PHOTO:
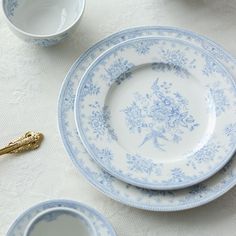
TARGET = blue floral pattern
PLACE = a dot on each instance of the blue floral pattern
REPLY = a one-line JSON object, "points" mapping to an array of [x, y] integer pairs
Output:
{"points": [[139, 164], [214, 51], [230, 131], [175, 59], [142, 47], [178, 176], [104, 155], [221, 102], [90, 89], [161, 115], [211, 67], [47, 42], [205, 154], [157, 117], [120, 191], [69, 98], [100, 122], [119, 71]]}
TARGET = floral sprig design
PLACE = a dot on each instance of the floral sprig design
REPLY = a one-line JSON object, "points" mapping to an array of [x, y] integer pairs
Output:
{"points": [[69, 98], [102, 177], [174, 57], [90, 88], [220, 100], [214, 51], [230, 132], [178, 176], [104, 155], [176, 61], [212, 67], [99, 121], [140, 164], [205, 154], [135, 118], [162, 115], [118, 71], [143, 47]]}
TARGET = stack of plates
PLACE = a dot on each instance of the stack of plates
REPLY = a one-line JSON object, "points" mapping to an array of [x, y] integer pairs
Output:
{"points": [[148, 117]]}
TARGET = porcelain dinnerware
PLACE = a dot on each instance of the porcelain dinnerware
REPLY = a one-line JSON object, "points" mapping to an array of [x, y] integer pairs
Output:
{"points": [[91, 219], [154, 108], [60, 221], [44, 22], [170, 200]]}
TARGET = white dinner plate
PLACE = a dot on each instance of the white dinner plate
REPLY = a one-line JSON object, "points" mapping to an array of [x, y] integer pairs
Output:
{"points": [[101, 225], [154, 111], [186, 198]]}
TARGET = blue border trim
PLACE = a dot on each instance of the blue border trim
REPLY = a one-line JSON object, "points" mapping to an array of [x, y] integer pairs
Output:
{"points": [[97, 185]]}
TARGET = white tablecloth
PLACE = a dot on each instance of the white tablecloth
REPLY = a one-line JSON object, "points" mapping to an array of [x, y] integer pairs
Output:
{"points": [[30, 81]]}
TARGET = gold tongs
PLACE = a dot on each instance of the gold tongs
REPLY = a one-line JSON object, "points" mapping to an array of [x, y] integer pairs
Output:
{"points": [[29, 141]]}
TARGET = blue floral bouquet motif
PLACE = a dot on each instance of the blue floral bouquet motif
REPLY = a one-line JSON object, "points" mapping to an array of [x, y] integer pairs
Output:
{"points": [[100, 122], [175, 61], [220, 100], [205, 154], [230, 132], [139, 164], [117, 72], [162, 116]]}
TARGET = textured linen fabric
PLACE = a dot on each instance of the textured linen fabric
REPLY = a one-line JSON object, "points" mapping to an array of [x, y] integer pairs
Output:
{"points": [[30, 81]]}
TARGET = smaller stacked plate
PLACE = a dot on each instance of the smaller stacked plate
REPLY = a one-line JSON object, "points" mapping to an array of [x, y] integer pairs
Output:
{"points": [[155, 110], [150, 110]]}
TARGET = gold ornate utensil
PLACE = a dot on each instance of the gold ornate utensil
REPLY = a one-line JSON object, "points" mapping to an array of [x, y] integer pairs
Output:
{"points": [[30, 141]]}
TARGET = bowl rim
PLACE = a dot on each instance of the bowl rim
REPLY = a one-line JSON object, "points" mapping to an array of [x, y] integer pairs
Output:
{"points": [[43, 36], [53, 209]]}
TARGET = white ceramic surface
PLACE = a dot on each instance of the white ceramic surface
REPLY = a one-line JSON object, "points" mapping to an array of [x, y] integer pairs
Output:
{"points": [[60, 221], [32, 75], [44, 22], [154, 112], [158, 200]]}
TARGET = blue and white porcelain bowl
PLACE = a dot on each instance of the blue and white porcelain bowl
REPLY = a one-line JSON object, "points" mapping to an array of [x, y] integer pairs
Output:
{"points": [[60, 221], [101, 225], [45, 22]]}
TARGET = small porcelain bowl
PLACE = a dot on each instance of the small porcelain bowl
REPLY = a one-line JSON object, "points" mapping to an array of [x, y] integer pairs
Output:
{"points": [[60, 221], [43, 22]]}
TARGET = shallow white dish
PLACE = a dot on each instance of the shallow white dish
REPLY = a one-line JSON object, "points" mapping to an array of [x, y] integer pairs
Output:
{"points": [[99, 222], [127, 194], [154, 111], [60, 221], [44, 22]]}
